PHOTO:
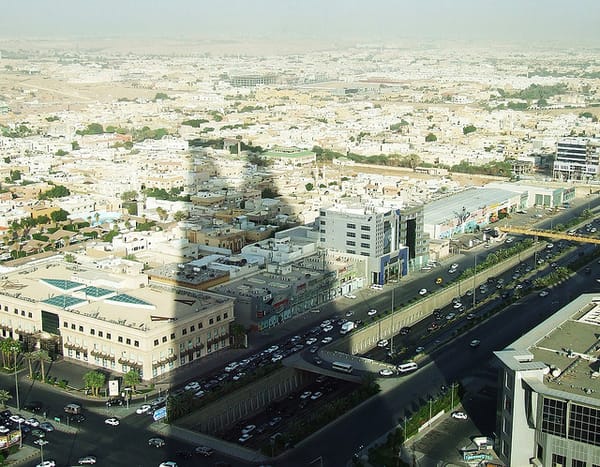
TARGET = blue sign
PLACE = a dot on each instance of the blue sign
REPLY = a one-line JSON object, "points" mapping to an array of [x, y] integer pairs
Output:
{"points": [[159, 414]]}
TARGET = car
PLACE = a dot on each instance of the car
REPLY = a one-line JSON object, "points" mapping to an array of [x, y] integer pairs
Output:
{"points": [[115, 401], [276, 358], [471, 316], [451, 271], [543, 293], [326, 340], [350, 296], [144, 408], [306, 395], [47, 426], [457, 305], [37, 433], [33, 406], [311, 340], [77, 418], [475, 343], [459, 415], [87, 460], [317, 361], [113, 421], [422, 291], [17, 418], [383, 343], [156, 442], [202, 393], [245, 437], [272, 349], [168, 464], [432, 327], [32, 422], [316, 395], [275, 421], [184, 454], [405, 330], [349, 313], [420, 349], [450, 316], [47, 463], [314, 349], [328, 328], [376, 287], [325, 323], [248, 429], [192, 386], [204, 451], [372, 312], [454, 266], [386, 372], [315, 310]]}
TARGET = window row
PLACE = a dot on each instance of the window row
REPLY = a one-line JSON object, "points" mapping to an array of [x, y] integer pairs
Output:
{"points": [[99, 333], [16, 312]]}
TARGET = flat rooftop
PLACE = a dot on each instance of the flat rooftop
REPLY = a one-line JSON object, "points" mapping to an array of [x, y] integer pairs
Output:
{"points": [[572, 348]]}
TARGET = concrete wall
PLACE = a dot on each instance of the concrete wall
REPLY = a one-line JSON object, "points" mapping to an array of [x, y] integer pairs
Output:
{"points": [[246, 402], [366, 338]]}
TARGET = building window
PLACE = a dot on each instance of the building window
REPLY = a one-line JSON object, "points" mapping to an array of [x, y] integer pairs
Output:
{"points": [[365, 253], [211, 321], [365, 236], [218, 317], [558, 460], [322, 222], [22, 312], [30, 315], [365, 245], [577, 463], [100, 334], [16, 311], [155, 342], [93, 332], [351, 226], [172, 335], [164, 339], [65, 325], [351, 234], [584, 424], [351, 252], [200, 325], [507, 403], [183, 331], [554, 417], [120, 339], [192, 328], [128, 341], [80, 328], [136, 343], [366, 228], [108, 335], [225, 315], [322, 213], [350, 243]]}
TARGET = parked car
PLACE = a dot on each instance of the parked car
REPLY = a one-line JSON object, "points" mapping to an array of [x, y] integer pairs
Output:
{"points": [[460, 415], [47, 463], [372, 312], [143, 409], [87, 460], [386, 372], [248, 429], [350, 296], [383, 343], [475, 343], [326, 340], [422, 291], [156, 442], [204, 451], [245, 437], [316, 395], [47, 427]]}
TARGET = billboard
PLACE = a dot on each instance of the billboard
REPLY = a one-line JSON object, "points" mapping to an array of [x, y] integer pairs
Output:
{"points": [[10, 438], [159, 414], [113, 388]]}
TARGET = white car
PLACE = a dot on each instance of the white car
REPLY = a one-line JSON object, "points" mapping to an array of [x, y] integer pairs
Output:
{"points": [[422, 291], [87, 460], [326, 340], [168, 464], [143, 409], [349, 313], [113, 421], [192, 386], [17, 418], [156, 442], [244, 437], [372, 312], [350, 296], [47, 463], [272, 349], [543, 293], [325, 323], [311, 340], [450, 316], [328, 328], [386, 372], [376, 287], [460, 415], [276, 358], [420, 349], [316, 395], [32, 422], [305, 395], [457, 305], [383, 343], [475, 343], [248, 429]]}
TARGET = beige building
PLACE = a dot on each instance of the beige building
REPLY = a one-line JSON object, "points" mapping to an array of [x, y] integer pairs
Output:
{"points": [[109, 320]]}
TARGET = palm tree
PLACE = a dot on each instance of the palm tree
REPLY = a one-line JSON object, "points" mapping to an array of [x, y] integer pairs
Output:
{"points": [[43, 357], [9, 348], [4, 397], [132, 378], [94, 380], [29, 356]]}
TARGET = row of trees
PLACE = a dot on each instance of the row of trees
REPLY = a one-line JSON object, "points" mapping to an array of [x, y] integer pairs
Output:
{"points": [[96, 380]]}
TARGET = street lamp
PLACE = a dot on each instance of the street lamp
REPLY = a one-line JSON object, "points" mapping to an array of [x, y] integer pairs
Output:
{"points": [[41, 443], [16, 382], [430, 408]]}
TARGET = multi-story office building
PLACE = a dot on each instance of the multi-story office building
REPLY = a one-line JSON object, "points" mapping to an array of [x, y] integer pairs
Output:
{"points": [[577, 158], [109, 320], [549, 396], [391, 237]]}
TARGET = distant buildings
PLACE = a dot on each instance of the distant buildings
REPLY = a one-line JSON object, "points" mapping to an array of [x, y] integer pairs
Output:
{"points": [[577, 159], [549, 397]]}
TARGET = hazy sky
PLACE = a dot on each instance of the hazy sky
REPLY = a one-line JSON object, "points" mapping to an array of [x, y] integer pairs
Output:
{"points": [[556, 21]]}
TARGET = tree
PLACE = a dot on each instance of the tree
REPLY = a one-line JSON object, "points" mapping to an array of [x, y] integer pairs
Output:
{"points": [[179, 216], [59, 216], [29, 356], [5, 396], [132, 378], [43, 357], [309, 187], [129, 195], [95, 381], [75, 145], [269, 193], [430, 138], [468, 129], [162, 214], [10, 348]]}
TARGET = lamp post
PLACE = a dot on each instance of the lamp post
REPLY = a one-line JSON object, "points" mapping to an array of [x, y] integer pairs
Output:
{"points": [[41, 443], [474, 278], [16, 382], [430, 408]]}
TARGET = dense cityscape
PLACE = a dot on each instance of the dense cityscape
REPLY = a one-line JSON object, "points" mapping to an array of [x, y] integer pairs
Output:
{"points": [[369, 253]]}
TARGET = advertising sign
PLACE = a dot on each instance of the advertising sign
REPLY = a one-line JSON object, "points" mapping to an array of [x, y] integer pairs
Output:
{"points": [[113, 388], [159, 414]]}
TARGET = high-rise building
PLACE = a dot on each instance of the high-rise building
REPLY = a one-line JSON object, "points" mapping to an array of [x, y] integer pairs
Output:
{"points": [[577, 158], [548, 410], [391, 237]]}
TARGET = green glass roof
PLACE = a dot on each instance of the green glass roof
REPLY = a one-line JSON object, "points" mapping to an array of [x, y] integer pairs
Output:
{"points": [[128, 300], [63, 284], [63, 301], [96, 292]]}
